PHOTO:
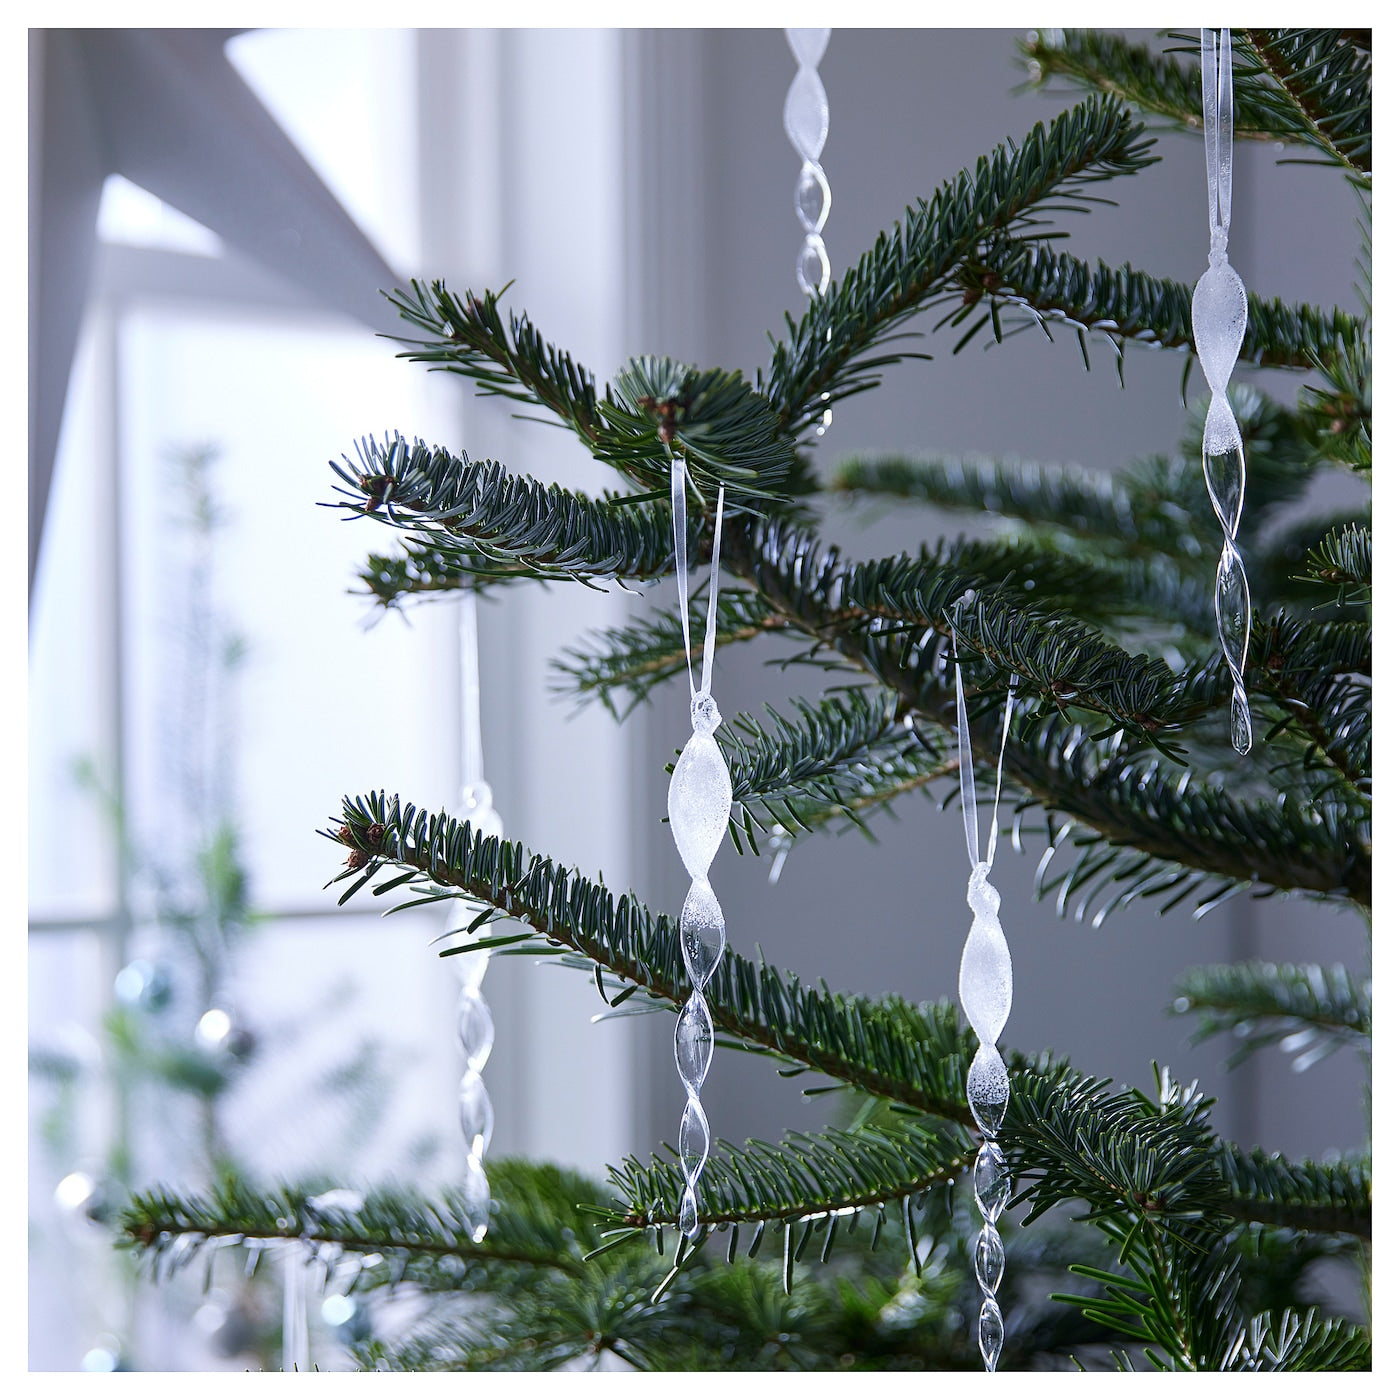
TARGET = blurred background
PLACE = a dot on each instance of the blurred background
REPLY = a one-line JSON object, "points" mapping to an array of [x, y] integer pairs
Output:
{"points": [[211, 214]]}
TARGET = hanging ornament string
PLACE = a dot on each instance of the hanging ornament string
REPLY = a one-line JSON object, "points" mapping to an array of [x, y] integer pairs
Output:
{"points": [[1219, 312], [984, 988], [475, 1029], [698, 803]]}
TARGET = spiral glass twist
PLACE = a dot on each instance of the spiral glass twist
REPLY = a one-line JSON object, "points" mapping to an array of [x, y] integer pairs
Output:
{"points": [[698, 804], [984, 988], [477, 1033], [1219, 314], [805, 119]]}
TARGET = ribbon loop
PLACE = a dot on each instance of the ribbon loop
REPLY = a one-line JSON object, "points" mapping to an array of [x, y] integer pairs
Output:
{"points": [[682, 562], [678, 529], [1218, 118], [967, 790]]}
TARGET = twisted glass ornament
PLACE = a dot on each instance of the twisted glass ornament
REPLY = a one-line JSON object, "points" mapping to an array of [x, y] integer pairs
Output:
{"points": [[805, 119], [984, 988], [698, 803], [1219, 312], [475, 1028]]}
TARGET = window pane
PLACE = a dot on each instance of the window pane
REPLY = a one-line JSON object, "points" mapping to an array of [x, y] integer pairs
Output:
{"points": [[347, 98], [72, 869], [321, 705]]}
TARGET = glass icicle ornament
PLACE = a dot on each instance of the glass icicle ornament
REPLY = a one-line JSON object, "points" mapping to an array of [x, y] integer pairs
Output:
{"points": [[698, 803], [475, 1028], [805, 119], [1219, 313], [984, 988], [477, 1033], [296, 1336]]}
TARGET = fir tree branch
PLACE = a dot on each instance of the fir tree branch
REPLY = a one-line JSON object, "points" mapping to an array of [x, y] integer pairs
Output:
{"points": [[1319, 675], [1118, 1153], [620, 665], [1311, 1011], [1293, 1341], [1308, 87], [1155, 506], [169, 1229], [1144, 80], [1281, 569], [1124, 798], [727, 432], [916, 1056], [1318, 1196], [912, 1054], [1158, 1186], [1338, 411], [827, 355], [1130, 306], [844, 756], [1320, 86], [473, 519], [806, 1177], [1066, 498], [1342, 560]]}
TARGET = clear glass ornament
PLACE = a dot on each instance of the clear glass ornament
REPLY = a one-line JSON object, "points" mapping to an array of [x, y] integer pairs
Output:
{"points": [[984, 988], [1219, 316], [812, 198], [695, 1042], [813, 266], [988, 1090], [990, 1259], [476, 1029], [697, 803], [807, 119], [702, 932], [991, 1333]]}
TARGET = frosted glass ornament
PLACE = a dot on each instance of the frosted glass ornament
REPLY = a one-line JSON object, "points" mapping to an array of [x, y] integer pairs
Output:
{"points": [[1219, 313], [988, 1090], [805, 114], [1219, 317], [698, 802], [807, 45], [984, 976], [806, 119], [702, 932], [984, 988]]}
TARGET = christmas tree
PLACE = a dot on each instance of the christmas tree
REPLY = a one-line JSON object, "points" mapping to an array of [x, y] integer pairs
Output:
{"points": [[1151, 1240]]}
